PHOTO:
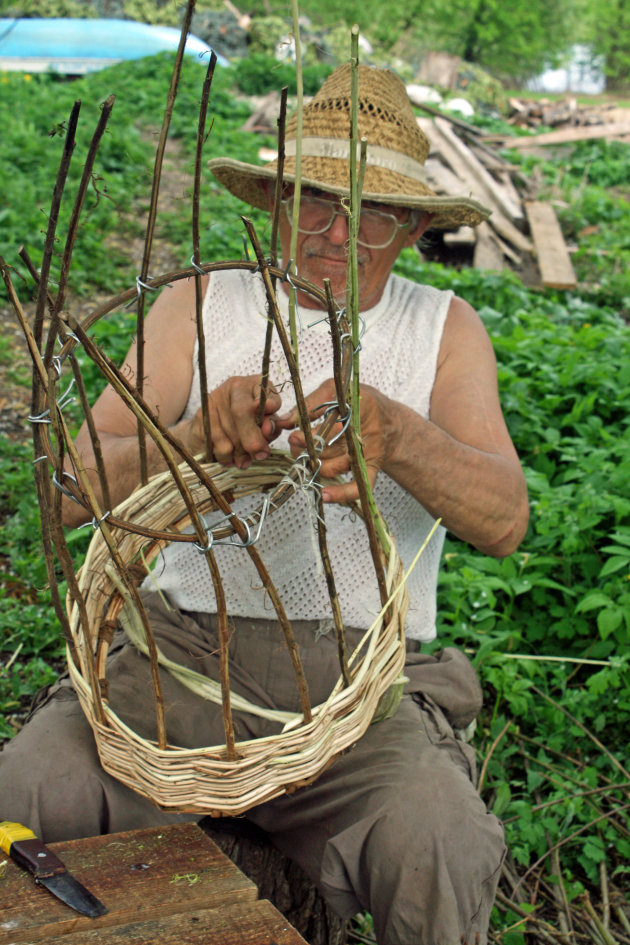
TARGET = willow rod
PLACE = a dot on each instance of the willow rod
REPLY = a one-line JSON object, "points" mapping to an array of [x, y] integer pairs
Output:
{"points": [[297, 188], [148, 240], [196, 257], [53, 219], [344, 407], [273, 253], [353, 302]]}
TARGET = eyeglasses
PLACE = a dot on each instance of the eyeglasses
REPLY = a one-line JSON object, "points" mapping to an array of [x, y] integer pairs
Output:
{"points": [[376, 228]]}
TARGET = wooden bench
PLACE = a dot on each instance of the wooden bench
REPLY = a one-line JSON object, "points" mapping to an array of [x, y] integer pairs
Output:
{"points": [[169, 885]]}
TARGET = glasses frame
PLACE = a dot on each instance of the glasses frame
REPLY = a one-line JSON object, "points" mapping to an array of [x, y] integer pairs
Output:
{"points": [[338, 209]]}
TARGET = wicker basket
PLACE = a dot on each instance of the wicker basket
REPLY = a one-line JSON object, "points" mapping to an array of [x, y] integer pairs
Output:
{"points": [[205, 780]]}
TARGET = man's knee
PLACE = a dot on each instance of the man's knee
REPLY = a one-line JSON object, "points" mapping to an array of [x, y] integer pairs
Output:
{"points": [[49, 772]]}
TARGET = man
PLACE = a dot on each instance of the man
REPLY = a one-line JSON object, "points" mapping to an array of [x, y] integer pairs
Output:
{"points": [[395, 825]]}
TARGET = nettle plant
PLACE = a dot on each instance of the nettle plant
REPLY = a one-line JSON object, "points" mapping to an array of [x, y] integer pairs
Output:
{"points": [[549, 627]]}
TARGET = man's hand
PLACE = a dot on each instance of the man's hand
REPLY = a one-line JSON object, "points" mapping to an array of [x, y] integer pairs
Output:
{"points": [[236, 437], [378, 432]]}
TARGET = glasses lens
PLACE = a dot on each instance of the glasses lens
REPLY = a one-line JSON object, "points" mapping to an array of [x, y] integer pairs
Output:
{"points": [[316, 215], [377, 229]]}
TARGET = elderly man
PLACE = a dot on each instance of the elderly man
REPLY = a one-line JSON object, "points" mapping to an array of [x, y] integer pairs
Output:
{"points": [[395, 825]]}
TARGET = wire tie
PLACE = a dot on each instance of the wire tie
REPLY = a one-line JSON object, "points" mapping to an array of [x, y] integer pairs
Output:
{"points": [[43, 417], [196, 266], [39, 459], [63, 489], [345, 424], [209, 545], [96, 523], [143, 285], [311, 482], [65, 398], [285, 276]]}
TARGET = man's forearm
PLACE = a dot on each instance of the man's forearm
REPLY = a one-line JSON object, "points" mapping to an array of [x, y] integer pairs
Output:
{"points": [[480, 496]]}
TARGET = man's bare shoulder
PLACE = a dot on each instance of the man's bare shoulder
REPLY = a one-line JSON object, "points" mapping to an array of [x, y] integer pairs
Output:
{"points": [[172, 317], [465, 336]]}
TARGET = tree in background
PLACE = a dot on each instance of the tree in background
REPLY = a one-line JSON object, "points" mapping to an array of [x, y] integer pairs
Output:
{"points": [[513, 41], [607, 31]]}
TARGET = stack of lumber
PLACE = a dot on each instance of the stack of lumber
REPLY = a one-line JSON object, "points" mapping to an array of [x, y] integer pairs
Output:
{"points": [[462, 163], [604, 120]]}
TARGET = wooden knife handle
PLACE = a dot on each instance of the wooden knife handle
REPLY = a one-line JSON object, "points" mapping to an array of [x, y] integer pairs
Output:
{"points": [[37, 858], [28, 851]]}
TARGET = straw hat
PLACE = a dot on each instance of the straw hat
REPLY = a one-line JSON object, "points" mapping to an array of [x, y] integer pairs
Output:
{"points": [[396, 151]]}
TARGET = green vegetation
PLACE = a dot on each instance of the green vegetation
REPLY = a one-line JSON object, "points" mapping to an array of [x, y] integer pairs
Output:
{"points": [[261, 73], [547, 628], [590, 184]]}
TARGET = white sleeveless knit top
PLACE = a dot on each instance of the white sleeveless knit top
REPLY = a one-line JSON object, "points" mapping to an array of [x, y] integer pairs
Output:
{"points": [[399, 357]]}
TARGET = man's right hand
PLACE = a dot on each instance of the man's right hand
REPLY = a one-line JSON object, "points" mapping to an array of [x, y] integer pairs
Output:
{"points": [[236, 437]]}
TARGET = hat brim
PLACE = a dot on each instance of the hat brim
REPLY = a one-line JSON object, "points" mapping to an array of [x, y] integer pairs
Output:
{"points": [[250, 182]]}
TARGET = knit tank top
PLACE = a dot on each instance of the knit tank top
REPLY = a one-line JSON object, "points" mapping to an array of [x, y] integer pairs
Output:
{"points": [[398, 356]]}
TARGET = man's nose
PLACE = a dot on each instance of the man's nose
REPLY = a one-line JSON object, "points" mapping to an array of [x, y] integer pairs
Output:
{"points": [[337, 232]]}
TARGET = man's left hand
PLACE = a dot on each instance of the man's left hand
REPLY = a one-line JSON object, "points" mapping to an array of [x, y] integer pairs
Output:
{"points": [[378, 432]]}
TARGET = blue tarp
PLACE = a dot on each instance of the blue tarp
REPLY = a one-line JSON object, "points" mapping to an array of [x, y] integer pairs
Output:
{"points": [[67, 45]]}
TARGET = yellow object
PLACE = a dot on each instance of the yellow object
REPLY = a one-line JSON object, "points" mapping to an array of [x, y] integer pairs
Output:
{"points": [[10, 833]]}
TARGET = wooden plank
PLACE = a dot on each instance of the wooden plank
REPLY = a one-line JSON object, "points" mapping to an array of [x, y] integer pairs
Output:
{"points": [[554, 261], [498, 220], [488, 255], [138, 875], [463, 236], [570, 135], [511, 208], [441, 178], [249, 923]]}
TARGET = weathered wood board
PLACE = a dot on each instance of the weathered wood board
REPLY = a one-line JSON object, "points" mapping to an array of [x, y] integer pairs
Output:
{"points": [[569, 135], [556, 269], [488, 255], [139, 876], [249, 923]]}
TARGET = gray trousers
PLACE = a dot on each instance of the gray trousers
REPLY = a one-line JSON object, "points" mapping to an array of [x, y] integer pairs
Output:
{"points": [[394, 826]]}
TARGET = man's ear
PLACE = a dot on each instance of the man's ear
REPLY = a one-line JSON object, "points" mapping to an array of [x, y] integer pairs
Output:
{"points": [[418, 228]]}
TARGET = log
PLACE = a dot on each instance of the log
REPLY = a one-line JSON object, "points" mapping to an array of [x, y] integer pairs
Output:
{"points": [[278, 879], [498, 220]]}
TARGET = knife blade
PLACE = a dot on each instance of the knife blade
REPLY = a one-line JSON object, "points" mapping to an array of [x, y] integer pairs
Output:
{"points": [[28, 851]]}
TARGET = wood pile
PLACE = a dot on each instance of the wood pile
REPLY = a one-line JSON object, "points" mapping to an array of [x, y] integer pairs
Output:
{"points": [[571, 122], [525, 113], [521, 231]]}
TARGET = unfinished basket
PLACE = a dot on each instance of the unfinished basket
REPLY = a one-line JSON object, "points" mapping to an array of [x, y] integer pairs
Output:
{"points": [[206, 780]]}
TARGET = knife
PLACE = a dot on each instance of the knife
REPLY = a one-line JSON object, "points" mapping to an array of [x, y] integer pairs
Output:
{"points": [[28, 851]]}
